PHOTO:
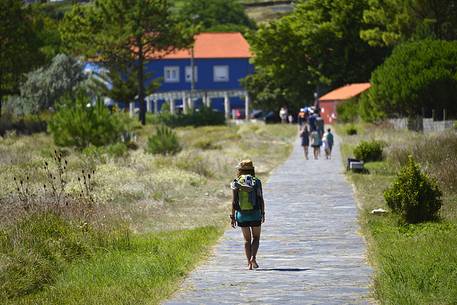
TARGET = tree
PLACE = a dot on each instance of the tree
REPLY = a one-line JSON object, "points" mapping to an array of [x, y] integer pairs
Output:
{"points": [[120, 83], [19, 46], [317, 46], [418, 77], [217, 15], [45, 86], [113, 31], [393, 21]]}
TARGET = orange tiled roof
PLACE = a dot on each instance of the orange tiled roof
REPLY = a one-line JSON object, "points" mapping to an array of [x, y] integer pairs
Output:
{"points": [[214, 45], [346, 92]]}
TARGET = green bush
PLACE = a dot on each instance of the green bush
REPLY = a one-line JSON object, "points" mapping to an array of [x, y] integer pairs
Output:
{"points": [[76, 123], [165, 141], [413, 195], [347, 111], [369, 151], [204, 117], [418, 76], [351, 130]]}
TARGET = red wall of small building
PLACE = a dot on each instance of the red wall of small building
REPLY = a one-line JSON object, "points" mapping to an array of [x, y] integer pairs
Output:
{"points": [[328, 111]]}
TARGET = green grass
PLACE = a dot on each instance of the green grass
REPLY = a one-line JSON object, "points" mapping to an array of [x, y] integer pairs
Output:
{"points": [[145, 233], [414, 264], [142, 272]]}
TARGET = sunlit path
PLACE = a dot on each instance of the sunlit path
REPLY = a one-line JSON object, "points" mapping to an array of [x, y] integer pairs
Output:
{"points": [[310, 251]]}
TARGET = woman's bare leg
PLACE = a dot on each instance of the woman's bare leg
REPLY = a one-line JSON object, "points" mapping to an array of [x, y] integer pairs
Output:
{"points": [[247, 244], [255, 244], [306, 152]]}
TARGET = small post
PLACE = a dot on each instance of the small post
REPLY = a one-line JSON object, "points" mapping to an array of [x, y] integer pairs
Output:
{"points": [[172, 106], [246, 106], [131, 108], [444, 114], [148, 104], [184, 103], [227, 106], [433, 114], [156, 106]]}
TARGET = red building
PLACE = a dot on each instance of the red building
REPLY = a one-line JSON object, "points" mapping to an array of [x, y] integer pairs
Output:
{"points": [[330, 101]]}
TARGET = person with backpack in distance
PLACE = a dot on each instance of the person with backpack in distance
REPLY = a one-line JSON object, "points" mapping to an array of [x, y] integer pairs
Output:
{"points": [[248, 209], [316, 143]]}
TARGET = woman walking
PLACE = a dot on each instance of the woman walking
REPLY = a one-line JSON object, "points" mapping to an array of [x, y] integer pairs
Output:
{"points": [[248, 209], [304, 134], [316, 144]]}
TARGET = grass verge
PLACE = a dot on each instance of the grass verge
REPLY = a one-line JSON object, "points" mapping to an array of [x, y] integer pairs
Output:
{"points": [[145, 231], [414, 264]]}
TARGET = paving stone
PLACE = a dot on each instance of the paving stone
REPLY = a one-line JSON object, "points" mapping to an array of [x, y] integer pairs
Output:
{"points": [[310, 251]]}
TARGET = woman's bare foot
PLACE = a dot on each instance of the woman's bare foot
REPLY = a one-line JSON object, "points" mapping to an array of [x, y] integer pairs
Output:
{"points": [[254, 263], [249, 266]]}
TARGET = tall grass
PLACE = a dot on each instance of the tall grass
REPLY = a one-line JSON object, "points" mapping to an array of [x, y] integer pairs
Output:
{"points": [[141, 231], [414, 264], [144, 272]]}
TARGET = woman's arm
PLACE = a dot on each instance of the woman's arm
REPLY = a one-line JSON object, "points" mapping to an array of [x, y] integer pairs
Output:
{"points": [[261, 201], [234, 203]]}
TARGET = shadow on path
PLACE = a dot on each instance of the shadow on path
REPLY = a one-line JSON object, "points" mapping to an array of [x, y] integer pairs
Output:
{"points": [[283, 269]]}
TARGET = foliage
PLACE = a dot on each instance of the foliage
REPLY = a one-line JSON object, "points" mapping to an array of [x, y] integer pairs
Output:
{"points": [[348, 111], [165, 141], [204, 117], [317, 45], [45, 245], [351, 130], [79, 123], [418, 76], [394, 21], [120, 31], [19, 46], [119, 82], [28, 124], [217, 15], [46, 85], [413, 195], [144, 271], [369, 151]]}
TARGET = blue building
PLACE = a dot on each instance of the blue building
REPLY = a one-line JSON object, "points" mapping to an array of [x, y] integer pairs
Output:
{"points": [[219, 61]]}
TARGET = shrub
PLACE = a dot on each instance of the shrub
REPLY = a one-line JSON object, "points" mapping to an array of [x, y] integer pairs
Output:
{"points": [[347, 111], [204, 117], [351, 130], [165, 141], [413, 195], [79, 124], [369, 151]]}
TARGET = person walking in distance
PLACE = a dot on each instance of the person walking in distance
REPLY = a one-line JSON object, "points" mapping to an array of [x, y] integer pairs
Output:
{"points": [[328, 142], [304, 134], [248, 209], [315, 143]]}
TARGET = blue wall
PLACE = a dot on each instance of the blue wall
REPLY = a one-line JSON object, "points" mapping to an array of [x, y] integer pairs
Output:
{"points": [[238, 69]]}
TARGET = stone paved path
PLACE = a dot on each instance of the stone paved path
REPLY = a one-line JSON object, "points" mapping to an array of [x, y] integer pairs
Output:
{"points": [[310, 251]]}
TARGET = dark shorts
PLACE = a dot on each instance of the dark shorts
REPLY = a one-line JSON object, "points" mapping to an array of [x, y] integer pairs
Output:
{"points": [[256, 223]]}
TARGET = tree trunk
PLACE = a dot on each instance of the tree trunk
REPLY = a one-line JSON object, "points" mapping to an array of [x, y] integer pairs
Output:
{"points": [[140, 76], [1, 104]]}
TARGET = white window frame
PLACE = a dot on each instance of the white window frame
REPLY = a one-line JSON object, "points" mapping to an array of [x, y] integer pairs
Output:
{"points": [[220, 80], [170, 69], [188, 74]]}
